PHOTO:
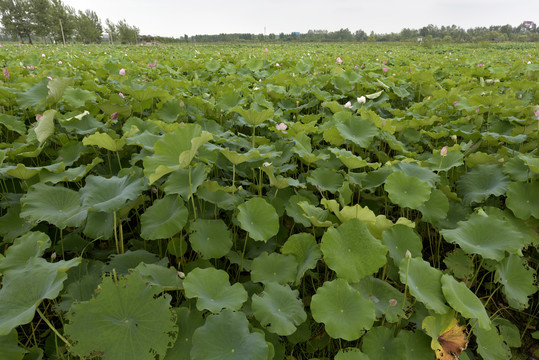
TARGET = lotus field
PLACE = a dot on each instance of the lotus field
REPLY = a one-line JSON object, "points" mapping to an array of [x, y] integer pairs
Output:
{"points": [[291, 202]]}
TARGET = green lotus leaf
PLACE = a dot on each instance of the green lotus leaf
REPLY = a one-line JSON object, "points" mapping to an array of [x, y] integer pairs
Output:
{"points": [[12, 123], [379, 343], [517, 280], [464, 301], [99, 225], [520, 199], [142, 323], [236, 158], [509, 331], [487, 236], [417, 344], [56, 87], [253, 116], [317, 217], [436, 208], [165, 218], [24, 248], [304, 248], [45, 126], [295, 211], [407, 191], [35, 95], [8, 347], [279, 309], [187, 320], [122, 263], [351, 251], [213, 291], [444, 163], [20, 171], [351, 354], [76, 97], [531, 161], [325, 179], [348, 158], [174, 151], [399, 239], [108, 195], [415, 170], [460, 264], [481, 182], [259, 219], [81, 284], [516, 169], [357, 130], [178, 181], [57, 205], [170, 111], [382, 296], [423, 282], [226, 336], [24, 288], [210, 238], [12, 225], [104, 141], [70, 175], [490, 344], [83, 124], [343, 311], [274, 267], [162, 277]]}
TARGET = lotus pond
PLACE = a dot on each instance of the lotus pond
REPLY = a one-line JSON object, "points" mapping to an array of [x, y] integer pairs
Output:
{"points": [[291, 202]]}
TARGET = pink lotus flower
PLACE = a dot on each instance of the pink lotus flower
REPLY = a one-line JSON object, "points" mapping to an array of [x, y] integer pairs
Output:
{"points": [[361, 100], [385, 69], [281, 127], [356, 67], [151, 65], [122, 71], [348, 105], [479, 65], [383, 62], [455, 102], [38, 116], [121, 95], [49, 77], [443, 152], [6, 73], [339, 60], [114, 115], [59, 62], [477, 111]]}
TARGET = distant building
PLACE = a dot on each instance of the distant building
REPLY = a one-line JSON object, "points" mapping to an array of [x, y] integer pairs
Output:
{"points": [[419, 39], [527, 24]]}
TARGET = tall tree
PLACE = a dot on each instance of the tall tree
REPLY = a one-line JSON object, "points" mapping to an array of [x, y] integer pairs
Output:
{"points": [[88, 27], [63, 20], [17, 19]]}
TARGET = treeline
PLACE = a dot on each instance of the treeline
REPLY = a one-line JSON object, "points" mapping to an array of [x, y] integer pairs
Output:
{"points": [[527, 31], [54, 21]]}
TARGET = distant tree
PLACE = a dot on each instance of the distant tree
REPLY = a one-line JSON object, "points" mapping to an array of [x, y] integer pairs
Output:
{"points": [[127, 34], [42, 21], [360, 35], [112, 30], [88, 27], [63, 19], [17, 19]]}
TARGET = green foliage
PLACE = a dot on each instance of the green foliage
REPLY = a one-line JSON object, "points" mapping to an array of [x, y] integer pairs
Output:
{"points": [[166, 212]]}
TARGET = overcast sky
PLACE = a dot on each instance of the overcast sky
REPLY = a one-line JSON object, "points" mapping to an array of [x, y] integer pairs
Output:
{"points": [[176, 18]]}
